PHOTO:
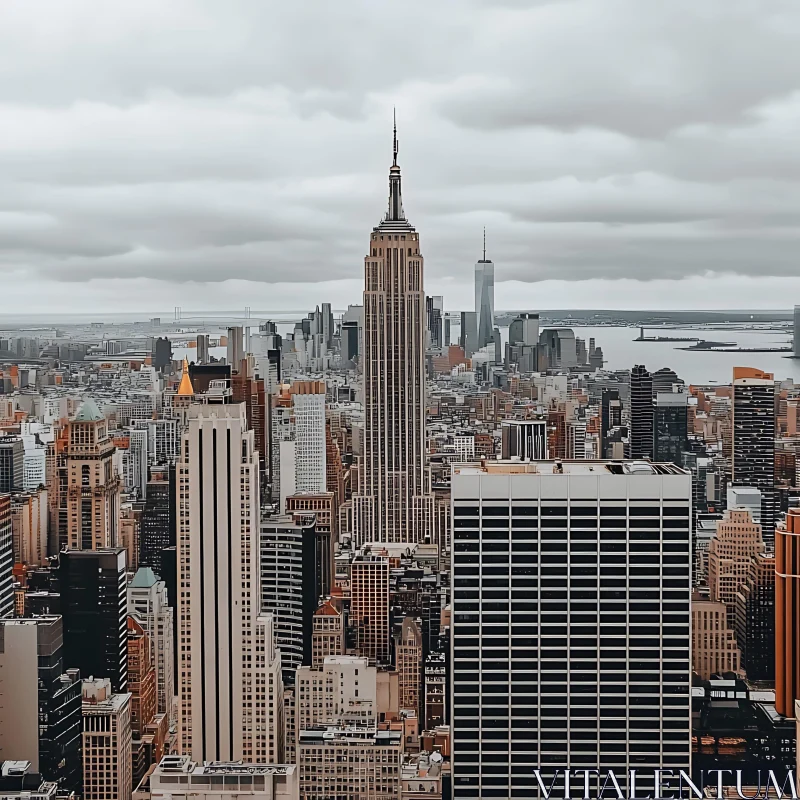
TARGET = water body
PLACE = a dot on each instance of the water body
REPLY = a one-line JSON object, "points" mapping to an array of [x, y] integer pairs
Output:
{"points": [[622, 352], [698, 367]]}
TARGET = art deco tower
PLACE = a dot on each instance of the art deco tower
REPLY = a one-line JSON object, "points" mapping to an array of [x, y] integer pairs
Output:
{"points": [[394, 502]]}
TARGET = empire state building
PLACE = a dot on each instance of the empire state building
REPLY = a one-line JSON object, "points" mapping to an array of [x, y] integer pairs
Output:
{"points": [[394, 503]]}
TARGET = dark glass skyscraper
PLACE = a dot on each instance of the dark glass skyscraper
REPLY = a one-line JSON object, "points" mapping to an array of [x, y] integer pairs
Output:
{"points": [[158, 519], [641, 431], [94, 606], [669, 426], [753, 462]]}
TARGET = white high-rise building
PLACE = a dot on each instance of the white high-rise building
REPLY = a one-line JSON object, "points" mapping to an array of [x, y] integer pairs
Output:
{"points": [[484, 298], [342, 691], [394, 501], [147, 601], [308, 404], [223, 672], [570, 625], [107, 742]]}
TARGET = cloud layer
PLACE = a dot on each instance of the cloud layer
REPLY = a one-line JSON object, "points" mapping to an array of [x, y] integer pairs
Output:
{"points": [[196, 149]]}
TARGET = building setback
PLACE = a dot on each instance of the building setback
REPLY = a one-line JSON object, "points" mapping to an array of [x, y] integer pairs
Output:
{"points": [[393, 503], [224, 662]]}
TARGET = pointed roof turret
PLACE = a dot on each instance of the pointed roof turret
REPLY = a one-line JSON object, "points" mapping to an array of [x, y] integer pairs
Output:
{"points": [[185, 389], [89, 412]]}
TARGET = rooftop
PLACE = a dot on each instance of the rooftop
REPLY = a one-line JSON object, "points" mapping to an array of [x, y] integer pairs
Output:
{"points": [[515, 467], [89, 412]]}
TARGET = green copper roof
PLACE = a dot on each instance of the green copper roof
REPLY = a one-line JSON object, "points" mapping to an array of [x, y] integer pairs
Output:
{"points": [[144, 578], [89, 412]]}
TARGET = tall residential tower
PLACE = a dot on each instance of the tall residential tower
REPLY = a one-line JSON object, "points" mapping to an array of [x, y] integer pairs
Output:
{"points": [[394, 503]]}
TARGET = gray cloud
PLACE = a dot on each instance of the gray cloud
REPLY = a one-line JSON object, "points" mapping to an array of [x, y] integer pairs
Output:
{"points": [[199, 142]]}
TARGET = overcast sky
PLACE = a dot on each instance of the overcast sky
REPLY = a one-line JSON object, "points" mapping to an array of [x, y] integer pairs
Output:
{"points": [[223, 153]]}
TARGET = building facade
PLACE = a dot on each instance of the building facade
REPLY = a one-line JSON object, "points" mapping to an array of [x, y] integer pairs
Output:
{"points": [[222, 684], [570, 632], [393, 503], [753, 461], [93, 484], [714, 649], [94, 607]]}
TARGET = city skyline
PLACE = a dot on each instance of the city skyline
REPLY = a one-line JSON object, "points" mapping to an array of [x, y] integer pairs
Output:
{"points": [[112, 194], [428, 519]]}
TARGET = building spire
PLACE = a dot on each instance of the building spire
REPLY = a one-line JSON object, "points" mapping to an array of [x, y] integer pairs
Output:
{"points": [[484, 243], [395, 212], [394, 116]]}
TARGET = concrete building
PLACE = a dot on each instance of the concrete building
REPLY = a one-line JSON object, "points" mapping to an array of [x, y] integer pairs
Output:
{"points": [[753, 459], [730, 553], [308, 404], [179, 778], [747, 497], [394, 501], [714, 649], [224, 666], [93, 484], [557, 348], [29, 527], [40, 703], [141, 678], [147, 601], [571, 587], [352, 763], [343, 690], [787, 613], [19, 692], [525, 440], [369, 606], [107, 742], [408, 663], [327, 637]]}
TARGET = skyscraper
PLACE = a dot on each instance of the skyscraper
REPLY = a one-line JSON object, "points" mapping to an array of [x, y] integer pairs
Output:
{"points": [[670, 424], [753, 462], [94, 607], [484, 297], [796, 331], [308, 402], [147, 601], [641, 433], [158, 518], [6, 558], [222, 675], [571, 585], [107, 742], [290, 584], [394, 503], [93, 485], [787, 613]]}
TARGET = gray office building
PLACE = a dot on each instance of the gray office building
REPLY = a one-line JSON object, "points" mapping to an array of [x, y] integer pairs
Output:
{"points": [[570, 626]]}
